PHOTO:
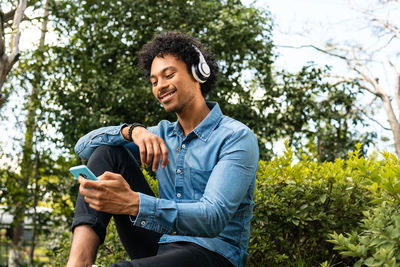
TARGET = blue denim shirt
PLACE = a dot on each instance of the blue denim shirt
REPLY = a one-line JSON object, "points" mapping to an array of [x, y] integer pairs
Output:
{"points": [[206, 190]]}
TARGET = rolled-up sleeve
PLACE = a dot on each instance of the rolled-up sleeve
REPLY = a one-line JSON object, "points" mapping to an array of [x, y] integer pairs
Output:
{"points": [[110, 135], [227, 186]]}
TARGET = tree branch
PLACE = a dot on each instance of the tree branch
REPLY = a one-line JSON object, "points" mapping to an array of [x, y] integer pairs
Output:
{"points": [[397, 93], [2, 44], [365, 76], [9, 16], [376, 121], [315, 47], [16, 34], [384, 23], [353, 79], [2, 99], [44, 24]]}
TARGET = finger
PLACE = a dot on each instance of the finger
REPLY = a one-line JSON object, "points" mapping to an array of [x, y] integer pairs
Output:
{"points": [[87, 192], [150, 153], [89, 185], [95, 207], [89, 196], [107, 175], [93, 203], [142, 151], [164, 155], [86, 183], [157, 155]]}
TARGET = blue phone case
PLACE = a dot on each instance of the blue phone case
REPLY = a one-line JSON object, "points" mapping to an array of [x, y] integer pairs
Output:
{"points": [[83, 171]]}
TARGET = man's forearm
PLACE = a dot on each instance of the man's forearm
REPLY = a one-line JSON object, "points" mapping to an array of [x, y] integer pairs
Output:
{"points": [[84, 247]]}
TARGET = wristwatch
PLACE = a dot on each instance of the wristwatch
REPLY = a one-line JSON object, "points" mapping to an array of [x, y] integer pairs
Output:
{"points": [[131, 127]]}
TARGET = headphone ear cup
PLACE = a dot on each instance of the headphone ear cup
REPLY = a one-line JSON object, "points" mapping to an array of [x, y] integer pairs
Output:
{"points": [[197, 74], [201, 71]]}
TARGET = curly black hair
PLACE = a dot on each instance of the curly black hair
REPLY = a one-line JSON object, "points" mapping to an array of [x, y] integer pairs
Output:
{"points": [[180, 45]]}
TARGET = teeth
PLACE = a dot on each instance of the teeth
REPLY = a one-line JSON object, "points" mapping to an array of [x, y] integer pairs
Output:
{"points": [[167, 96]]}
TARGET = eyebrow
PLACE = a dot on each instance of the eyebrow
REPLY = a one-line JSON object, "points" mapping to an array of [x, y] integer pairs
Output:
{"points": [[162, 71]]}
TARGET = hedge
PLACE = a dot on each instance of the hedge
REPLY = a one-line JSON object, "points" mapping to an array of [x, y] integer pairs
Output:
{"points": [[308, 213]]}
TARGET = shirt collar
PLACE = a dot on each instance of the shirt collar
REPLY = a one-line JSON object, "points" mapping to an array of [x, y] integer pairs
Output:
{"points": [[206, 126]]}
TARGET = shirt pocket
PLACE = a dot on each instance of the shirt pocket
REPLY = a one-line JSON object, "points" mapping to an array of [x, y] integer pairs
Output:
{"points": [[199, 179]]}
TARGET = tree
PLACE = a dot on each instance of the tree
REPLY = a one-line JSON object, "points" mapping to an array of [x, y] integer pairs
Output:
{"points": [[23, 188], [317, 116], [96, 80], [7, 61], [375, 68]]}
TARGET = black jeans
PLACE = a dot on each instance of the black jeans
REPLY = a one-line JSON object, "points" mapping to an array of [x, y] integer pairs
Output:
{"points": [[140, 244]]}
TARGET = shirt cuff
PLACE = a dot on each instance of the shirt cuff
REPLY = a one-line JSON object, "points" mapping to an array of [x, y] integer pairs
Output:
{"points": [[120, 130], [147, 215]]}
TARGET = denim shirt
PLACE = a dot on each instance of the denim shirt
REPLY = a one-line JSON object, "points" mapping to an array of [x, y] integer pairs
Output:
{"points": [[206, 190]]}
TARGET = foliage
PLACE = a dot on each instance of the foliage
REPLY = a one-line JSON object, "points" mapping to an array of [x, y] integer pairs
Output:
{"points": [[96, 82], [297, 204], [109, 252], [377, 241], [54, 189], [90, 79], [317, 116], [95, 76], [59, 246]]}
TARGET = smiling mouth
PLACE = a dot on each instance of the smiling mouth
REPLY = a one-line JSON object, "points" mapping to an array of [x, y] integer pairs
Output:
{"points": [[167, 96]]}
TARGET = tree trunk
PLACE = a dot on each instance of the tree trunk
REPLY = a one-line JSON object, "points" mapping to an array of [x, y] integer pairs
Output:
{"points": [[394, 123], [16, 254], [28, 160], [34, 216], [8, 61]]}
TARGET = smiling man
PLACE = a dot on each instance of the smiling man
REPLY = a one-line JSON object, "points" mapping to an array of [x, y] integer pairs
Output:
{"points": [[205, 164]]}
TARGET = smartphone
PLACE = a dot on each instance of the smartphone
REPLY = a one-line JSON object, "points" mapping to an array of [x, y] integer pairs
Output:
{"points": [[83, 171]]}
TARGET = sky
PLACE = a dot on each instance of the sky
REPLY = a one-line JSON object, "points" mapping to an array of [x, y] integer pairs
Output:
{"points": [[297, 23]]}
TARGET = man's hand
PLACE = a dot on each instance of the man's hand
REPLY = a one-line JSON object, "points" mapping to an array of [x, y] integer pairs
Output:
{"points": [[152, 148], [111, 194]]}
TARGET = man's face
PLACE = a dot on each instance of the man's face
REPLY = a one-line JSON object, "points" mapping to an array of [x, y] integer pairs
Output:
{"points": [[172, 85]]}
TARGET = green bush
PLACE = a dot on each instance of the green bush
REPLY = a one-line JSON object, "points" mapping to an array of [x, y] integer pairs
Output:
{"points": [[304, 211], [109, 252], [377, 241], [298, 203]]}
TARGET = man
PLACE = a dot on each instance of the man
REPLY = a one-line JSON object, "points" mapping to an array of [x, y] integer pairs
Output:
{"points": [[205, 164]]}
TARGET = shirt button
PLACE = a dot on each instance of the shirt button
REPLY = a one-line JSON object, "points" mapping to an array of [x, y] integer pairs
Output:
{"points": [[178, 195], [142, 223], [183, 146], [178, 171], [100, 139]]}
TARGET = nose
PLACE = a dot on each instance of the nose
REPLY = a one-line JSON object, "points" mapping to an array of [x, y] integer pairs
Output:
{"points": [[161, 85]]}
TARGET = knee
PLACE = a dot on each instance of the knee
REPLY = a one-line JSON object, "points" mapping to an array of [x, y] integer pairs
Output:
{"points": [[105, 150], [115, 156], [106, 153]]}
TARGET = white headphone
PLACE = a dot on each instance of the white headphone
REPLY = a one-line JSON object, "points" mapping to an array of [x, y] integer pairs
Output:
{"points": [[201, 71]]}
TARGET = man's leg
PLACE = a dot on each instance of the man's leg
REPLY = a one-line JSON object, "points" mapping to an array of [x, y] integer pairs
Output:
{"points": [[84, 247], [138, 242], [179, 254]]}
